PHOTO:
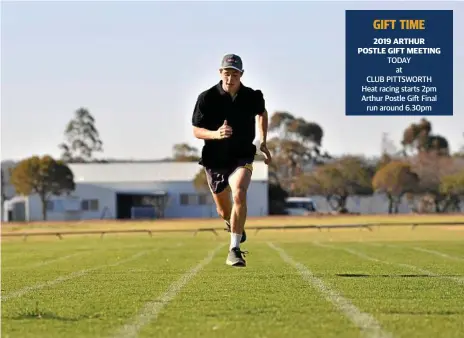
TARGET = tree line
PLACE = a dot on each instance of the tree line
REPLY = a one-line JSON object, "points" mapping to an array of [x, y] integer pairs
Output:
{"points": [[423, 169]]}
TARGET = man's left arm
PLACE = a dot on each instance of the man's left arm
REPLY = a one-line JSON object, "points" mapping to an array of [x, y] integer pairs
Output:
{"points": [[263, 123], [261, 116]]}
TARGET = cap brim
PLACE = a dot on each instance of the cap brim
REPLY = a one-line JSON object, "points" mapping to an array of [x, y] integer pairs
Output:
{"points": [[232, 67]]}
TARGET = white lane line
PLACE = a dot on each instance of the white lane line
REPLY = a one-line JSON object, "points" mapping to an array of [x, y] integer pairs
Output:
{"points": [[70, 276], [433, 252], [151, 310], [46, 262], [459, 280], [364, 321], [438, 253]]}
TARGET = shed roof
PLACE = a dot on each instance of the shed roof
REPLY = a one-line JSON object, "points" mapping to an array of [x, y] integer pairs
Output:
{"points": [[147, 172]]}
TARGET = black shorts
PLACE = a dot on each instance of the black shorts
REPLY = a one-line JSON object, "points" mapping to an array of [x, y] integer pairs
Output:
{"points": [[218, 179]]}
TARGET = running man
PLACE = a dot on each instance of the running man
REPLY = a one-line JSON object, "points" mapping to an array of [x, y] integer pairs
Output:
{"points": [[225, 117]]}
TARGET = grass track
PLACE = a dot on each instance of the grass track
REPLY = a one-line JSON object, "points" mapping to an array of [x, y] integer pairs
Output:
{"points": [[269, 298], [405, 301]]}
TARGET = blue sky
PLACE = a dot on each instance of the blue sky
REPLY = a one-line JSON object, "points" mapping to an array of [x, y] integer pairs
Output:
{"points": [[139, 66]]}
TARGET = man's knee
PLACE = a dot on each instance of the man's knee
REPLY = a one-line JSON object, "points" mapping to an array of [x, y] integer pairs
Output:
{"points": [[223, 203], [224, 213], [239, 196]]}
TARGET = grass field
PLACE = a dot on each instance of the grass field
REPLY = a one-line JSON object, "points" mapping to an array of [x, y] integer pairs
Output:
{"points": [[389, 282]]}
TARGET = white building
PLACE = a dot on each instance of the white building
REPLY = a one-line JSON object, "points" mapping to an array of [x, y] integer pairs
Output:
{"points": [[111, 190]]}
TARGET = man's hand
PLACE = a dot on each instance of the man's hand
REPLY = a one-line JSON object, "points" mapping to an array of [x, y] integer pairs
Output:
{"points": [[224, 131], [266, 152]]}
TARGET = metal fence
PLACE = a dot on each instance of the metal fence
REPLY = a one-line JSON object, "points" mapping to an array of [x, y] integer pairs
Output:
{"points": [[319, 227]]}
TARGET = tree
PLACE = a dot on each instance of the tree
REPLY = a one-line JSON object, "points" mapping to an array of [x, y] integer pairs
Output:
{"points": [[200, 181], [460, 153], [431, 168], [462, 147], [43, 176], [297, 145], [183, 152], [384, 160], [452, 186], [82, 138], [395, 179], [4, 197], [345, 177], [7, 189], [388, 147], [418, 138]]}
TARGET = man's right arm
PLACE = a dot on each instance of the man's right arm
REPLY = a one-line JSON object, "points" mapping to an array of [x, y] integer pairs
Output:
{"points": [[205, 134], [199, 122]]}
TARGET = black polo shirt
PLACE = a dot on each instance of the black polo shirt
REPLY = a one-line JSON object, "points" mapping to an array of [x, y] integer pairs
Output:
{"points": [[213, 106]]}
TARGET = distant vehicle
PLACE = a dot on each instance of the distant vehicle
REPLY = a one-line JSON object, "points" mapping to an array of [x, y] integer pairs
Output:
{"points": [[299, 206]]}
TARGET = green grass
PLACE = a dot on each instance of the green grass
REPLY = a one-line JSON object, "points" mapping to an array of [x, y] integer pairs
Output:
{"points": [[91, 287]]}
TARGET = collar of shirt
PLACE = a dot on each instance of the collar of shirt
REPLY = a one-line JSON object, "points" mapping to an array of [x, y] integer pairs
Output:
{"points": [[223, 92]]}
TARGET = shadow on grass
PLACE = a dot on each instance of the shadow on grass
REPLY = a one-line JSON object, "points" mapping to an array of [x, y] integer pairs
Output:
{"points": [[47, 315], [359, 275], [44, 316], [424, 313]]}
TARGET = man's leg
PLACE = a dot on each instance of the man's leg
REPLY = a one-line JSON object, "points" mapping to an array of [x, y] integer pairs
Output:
{"points": [[239, 181], [223, 204], [220, 191]]}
